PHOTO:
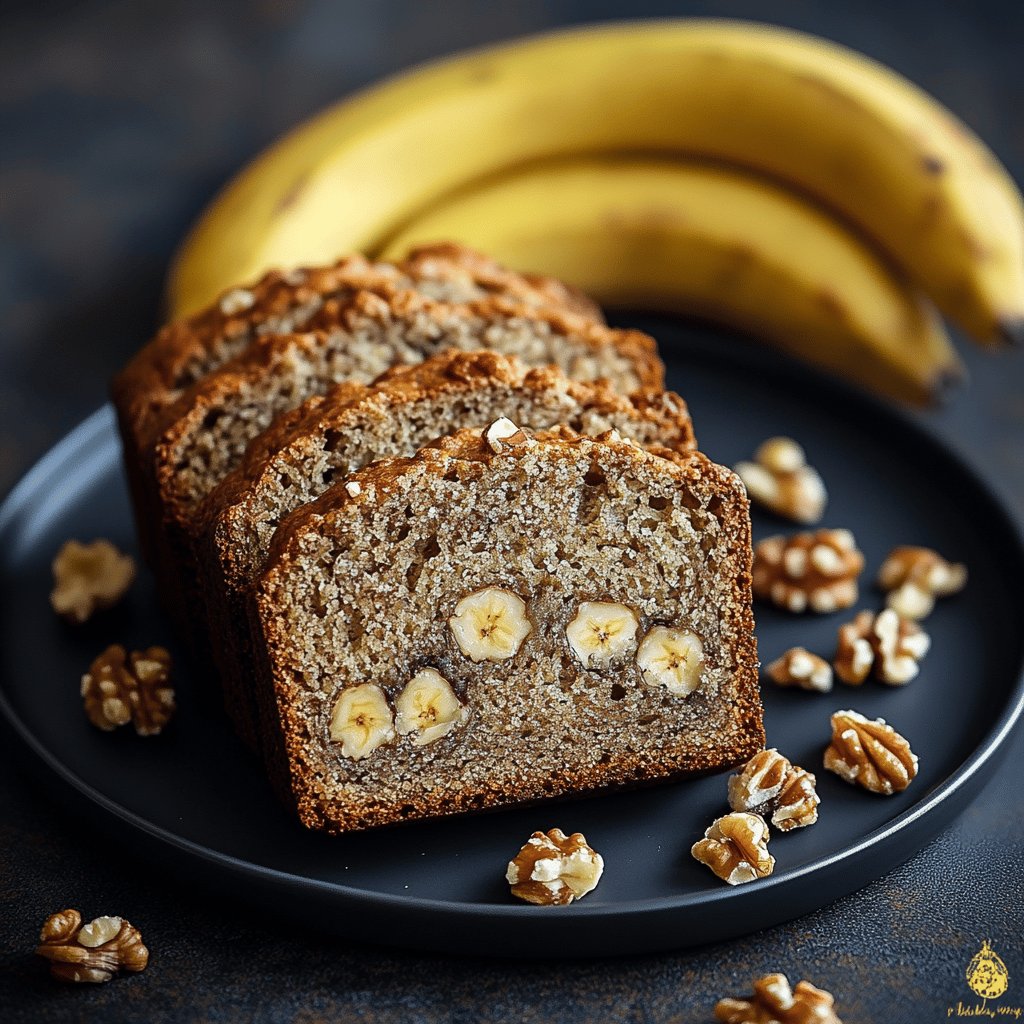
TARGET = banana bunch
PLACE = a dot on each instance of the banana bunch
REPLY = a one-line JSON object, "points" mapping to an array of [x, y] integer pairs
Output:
{"points": [[765, 179]]}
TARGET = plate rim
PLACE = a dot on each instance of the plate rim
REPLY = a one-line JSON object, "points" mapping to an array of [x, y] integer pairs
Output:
{"points": [[96, 427]]}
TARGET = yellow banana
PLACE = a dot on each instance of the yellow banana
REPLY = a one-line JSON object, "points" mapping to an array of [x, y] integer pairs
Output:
{"points": [[856, 136], [712, 242]]}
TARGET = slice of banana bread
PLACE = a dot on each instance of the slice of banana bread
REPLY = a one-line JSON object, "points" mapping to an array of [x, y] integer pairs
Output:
{"points": [[213, 422], [470, 628], [309, 298], [325, 440]]}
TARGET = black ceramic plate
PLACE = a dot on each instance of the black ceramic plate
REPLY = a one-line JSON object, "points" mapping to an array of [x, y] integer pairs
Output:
{"points": [[439, 885]]}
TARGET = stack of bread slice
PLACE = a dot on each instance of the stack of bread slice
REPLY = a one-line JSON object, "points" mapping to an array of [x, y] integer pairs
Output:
{"points": [[446, 539]]}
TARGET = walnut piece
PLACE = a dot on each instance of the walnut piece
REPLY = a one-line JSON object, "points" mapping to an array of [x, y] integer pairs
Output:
{"points": [[94, 952], [119, 688], [554, 869], [870, 753], [780, 479], [504, 433], [886, 644], [774, 1002], [735, 848], [768, 784], [815, 571], [88, 578], [914, 577], [798, 667]]}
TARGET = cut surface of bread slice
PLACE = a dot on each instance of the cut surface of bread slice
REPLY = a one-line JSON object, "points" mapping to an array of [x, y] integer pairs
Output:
{"points": [[471, 628], [185, 351], [212, 424], [328, 438]]}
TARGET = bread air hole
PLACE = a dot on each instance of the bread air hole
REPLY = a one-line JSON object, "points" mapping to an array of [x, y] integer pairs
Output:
{"points": [[430, 549], [689, 500]]}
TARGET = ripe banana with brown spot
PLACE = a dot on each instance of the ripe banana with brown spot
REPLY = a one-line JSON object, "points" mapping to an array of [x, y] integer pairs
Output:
{"points": [[841, 128], [707, 241]]}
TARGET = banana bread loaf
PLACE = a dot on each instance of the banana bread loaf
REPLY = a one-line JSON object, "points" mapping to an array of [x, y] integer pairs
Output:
{"points": [[474, 627], [312, 298], [325, 440]]}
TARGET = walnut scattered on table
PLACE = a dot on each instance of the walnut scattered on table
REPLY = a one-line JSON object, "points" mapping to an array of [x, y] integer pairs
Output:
{"points": [[121, 688], [799, 667], [780, 479], [553, 869], [914, 577], [774, 1002], [885, 644], [735, 848], [93, 952], [88, 578], [870, 753], [813, 571], [771, 786]]}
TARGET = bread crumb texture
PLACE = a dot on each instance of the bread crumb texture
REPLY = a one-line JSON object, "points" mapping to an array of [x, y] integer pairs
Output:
{"points": [[359, 589]]}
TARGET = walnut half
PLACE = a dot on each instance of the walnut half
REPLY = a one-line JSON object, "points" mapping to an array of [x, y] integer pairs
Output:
{"points": [[769, 784], [774, 1002], [553, 869], [89, 577], [870, 753], [886, 644], [735, 848], [915, 576], [94, 952], [780, 479], [119, 688], [815, 571], [798, 667]]}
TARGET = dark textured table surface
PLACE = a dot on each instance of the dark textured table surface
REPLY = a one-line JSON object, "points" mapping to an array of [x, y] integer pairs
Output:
{"points": [[117, 121]]}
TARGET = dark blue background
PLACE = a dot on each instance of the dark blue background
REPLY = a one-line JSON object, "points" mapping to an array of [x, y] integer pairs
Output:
{"points": [[118, 120]]}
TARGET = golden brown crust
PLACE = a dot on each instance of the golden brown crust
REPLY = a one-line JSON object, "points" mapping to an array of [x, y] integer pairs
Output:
{"points": [[635, 348], [160, 371], [186, 350], [297, 776], [165, 497], [493, 277]]}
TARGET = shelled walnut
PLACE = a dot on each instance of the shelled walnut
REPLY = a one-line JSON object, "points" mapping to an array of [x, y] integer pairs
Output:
{"points": [[798, 667], [554, 869], [886, 644], [814, 571], [915, 576], [504, 433], [88, 578], [119, 688], [780, 479], [774, 1002], [735, 848], [94, 952], [770, 785], [870, 753]]}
